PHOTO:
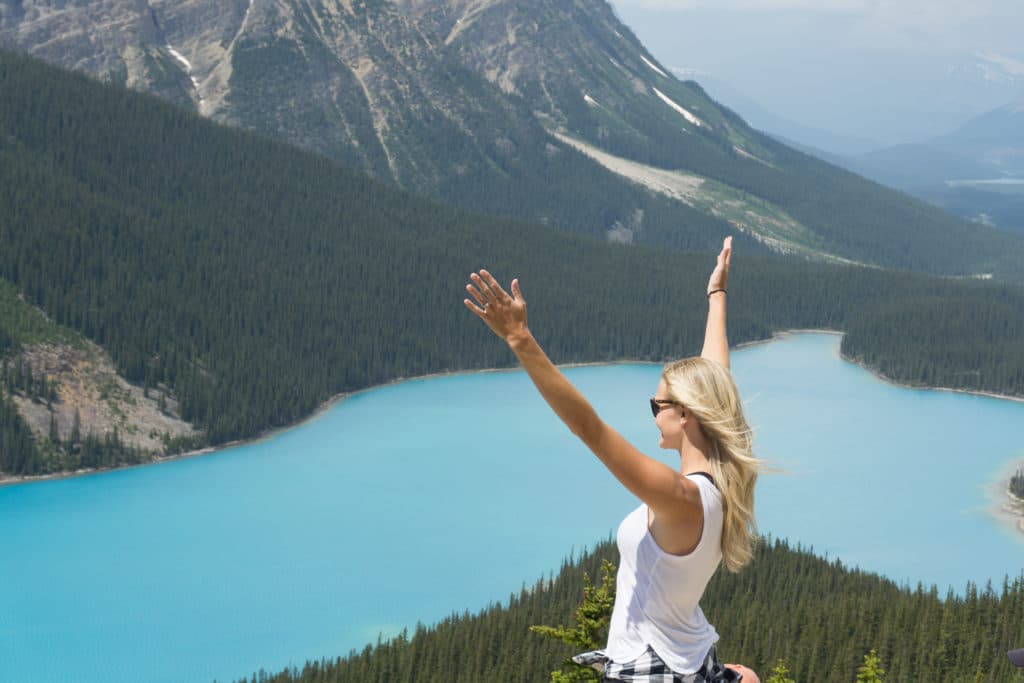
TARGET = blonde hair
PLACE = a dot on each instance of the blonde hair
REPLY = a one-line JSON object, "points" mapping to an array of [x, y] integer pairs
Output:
{"points": [[706, 390]]}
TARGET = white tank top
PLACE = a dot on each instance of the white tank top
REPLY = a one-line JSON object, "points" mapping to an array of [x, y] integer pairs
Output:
{"points": [[657, 594]]}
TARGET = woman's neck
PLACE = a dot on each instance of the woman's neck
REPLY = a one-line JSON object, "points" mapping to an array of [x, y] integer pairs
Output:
{"points": [[692, 458]]}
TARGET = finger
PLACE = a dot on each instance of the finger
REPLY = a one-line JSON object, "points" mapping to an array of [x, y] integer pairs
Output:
{"points": [[484, 284], [473, 307], [727, 247], [475, 294], [493, 284], [484, 288], [516, 293]]}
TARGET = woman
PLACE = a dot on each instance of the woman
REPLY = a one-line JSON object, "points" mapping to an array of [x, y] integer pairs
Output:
{"points": [[691, 518]]}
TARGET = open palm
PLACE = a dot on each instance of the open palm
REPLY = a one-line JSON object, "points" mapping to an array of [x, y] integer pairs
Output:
{"points": [[505, 314], [720, 276]]}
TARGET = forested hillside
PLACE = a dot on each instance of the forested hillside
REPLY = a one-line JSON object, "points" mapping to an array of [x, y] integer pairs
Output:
{"points": [[363, 84], [587, 74], [819, 616], [470, 103], [62, 405], [257, 281]]}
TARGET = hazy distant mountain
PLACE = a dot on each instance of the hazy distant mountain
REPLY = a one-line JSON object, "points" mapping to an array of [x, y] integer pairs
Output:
{"points": [[986, 147], [976, 171], [545, 109], [897, 72], [793, 133], [995, 139], [910, 166]]}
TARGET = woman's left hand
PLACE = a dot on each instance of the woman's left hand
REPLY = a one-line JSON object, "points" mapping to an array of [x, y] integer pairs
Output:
{"points": [[504, 314], [720, 276]]}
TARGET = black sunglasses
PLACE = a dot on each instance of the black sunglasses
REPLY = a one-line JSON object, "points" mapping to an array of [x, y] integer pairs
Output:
{"points": [[659, 404]]}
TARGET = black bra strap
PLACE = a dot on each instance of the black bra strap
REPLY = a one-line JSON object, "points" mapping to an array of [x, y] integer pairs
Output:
{"points": [[705, 474]]}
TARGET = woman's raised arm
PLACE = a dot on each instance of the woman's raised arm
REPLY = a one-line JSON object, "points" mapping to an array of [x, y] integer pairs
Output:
{"points": [[716, 344], [663, 489]]}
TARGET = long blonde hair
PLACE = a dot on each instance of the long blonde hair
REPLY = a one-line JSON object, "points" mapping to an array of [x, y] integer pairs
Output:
{"points": [[706, 390]]}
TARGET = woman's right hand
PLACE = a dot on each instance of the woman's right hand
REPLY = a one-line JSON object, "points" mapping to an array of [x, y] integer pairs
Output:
{"points": [[504, 314]]}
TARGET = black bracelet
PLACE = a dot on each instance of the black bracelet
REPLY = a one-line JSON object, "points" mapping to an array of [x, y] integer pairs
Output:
{"points": [[716, 291]]}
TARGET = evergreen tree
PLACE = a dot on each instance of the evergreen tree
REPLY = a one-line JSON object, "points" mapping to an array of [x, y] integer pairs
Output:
{"points": [[54, 436], [75, 437], [248, 277], [591, 630], [779, 674], [788, 606], [871, 670]]}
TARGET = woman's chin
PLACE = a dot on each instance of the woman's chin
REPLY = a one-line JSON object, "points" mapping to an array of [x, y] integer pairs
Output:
{"points": [[665, 445]]}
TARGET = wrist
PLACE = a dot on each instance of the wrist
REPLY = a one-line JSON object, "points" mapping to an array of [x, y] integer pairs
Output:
{"points": [[718, 293], [519, 340]]}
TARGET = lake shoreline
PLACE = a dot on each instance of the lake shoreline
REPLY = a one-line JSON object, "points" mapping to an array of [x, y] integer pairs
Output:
{"points": [[10, 480], [176, 546], [14, 480]]}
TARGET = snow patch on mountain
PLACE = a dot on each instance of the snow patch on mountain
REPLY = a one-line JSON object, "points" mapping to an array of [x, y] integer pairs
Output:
{"points": [[188, 70], [653, 66], [747, 155], [180, 57], [686, 115]]}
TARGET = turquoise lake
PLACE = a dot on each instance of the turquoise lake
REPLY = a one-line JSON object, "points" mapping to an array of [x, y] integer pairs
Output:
{"points": [[409, 502]]}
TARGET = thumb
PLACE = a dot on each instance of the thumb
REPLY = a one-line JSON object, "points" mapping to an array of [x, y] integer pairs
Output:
{"points": [[516, 294]]}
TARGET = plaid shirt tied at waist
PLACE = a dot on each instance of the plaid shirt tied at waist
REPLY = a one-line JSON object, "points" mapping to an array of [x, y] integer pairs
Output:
{"points": [[648, 668]]}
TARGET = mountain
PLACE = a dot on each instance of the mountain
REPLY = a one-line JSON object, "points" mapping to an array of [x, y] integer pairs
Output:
{"points": [[544, 110], [248, 281], [923, 170], [364, 83], [823, 142], [975, 171], [916, 165], [874, 70], [590, 80], [1000, 205], [988, 146], [995, 138]]}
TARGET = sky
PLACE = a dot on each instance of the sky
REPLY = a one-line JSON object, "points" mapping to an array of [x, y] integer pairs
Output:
{"points": [[869, 73]]}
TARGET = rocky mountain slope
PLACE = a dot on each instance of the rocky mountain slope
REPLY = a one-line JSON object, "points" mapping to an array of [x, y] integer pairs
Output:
{"points": [[67, 390], [120, 215], [497, 105]]}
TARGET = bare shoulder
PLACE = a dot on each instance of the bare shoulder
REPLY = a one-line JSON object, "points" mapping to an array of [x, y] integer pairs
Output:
{"points": [[678, 529]]}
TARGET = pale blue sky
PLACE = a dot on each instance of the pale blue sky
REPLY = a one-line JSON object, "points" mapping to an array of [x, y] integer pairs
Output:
{"points": [[885, 70]]}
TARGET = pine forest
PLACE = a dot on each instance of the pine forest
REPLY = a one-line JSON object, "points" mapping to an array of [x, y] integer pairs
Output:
{"points": [[818, 617], [120, 215]]}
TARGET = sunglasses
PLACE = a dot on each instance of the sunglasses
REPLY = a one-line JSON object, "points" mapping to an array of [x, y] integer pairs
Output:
{"points": [[659, 404]]}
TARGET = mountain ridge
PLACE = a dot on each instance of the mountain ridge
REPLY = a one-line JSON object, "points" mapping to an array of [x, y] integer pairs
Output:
{"points": [[256, 280], [461, 100]]}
